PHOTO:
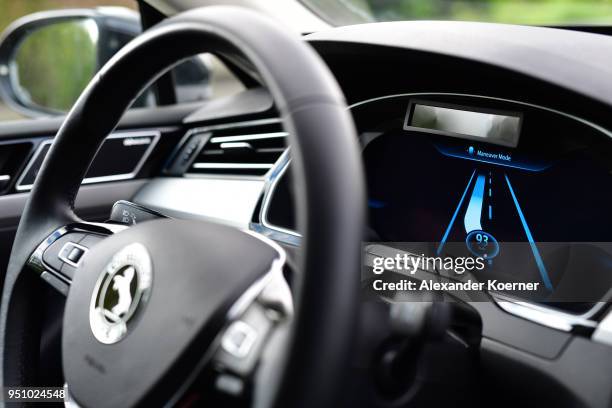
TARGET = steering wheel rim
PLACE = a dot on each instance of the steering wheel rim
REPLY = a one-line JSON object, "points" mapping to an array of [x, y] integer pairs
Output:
{"points": [[326, 164]]}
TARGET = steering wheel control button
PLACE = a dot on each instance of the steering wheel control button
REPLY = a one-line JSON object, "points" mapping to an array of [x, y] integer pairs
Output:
{"points": [[239, 339], [243, 340], [76, 254], [229, 384], [57, 253], [71, 253], [120, 292]]}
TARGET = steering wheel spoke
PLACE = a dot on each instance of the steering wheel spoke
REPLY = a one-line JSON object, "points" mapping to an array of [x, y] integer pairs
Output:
{"points": [[232, 364], [59, 256]]}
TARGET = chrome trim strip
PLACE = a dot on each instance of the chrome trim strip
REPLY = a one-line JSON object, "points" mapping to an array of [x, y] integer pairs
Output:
{"points": [[236, 145], [254, 136], [268, 197], [264, 227], [603, 333], [277, 236], [254, 166], [222, 176], [547, 316], [155, 134]]}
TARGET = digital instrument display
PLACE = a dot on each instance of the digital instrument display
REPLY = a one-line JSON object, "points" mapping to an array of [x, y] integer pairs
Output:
{"points": [[502, 128], [536, 212]]}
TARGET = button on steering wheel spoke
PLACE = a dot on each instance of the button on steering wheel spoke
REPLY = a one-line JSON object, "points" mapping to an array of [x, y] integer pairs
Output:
{"points": [[59, 256]]}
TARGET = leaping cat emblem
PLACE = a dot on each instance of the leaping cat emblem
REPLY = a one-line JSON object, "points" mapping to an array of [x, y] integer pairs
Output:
{"points": [[121, 285]]}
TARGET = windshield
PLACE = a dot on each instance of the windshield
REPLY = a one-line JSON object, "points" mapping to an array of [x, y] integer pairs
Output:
{"points": [[536, 12]]}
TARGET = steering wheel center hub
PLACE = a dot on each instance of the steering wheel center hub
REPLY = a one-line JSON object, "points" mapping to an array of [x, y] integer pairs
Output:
{"points": [[120, 293]]}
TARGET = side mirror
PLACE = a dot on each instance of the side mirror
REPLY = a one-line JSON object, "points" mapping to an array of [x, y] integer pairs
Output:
{"points": [[47, 58]]}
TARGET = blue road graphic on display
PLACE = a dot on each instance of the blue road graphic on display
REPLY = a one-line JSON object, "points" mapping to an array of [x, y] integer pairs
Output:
{"points": [[452, 221], [534, 248], [473, 214]]}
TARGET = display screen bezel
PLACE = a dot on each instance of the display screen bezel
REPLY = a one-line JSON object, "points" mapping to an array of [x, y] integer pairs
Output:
{"points": [[423, 102]]}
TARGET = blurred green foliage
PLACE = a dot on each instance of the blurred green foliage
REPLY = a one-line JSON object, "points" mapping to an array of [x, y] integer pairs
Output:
{"points": [[56, 62], [537, 12], [505, 11], [10, 10]]}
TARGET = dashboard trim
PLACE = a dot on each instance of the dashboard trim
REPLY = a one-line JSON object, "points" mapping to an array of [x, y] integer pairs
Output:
{"points": [[603, 333], [255, 136], [546, 316], [265, 227]]}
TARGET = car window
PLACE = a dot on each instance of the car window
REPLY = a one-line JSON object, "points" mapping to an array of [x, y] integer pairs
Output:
{"points": [[51, 77], [537, 12], [204, 77]]}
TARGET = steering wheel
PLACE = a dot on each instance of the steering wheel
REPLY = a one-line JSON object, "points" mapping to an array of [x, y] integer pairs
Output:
{"points": [[158, 310]]}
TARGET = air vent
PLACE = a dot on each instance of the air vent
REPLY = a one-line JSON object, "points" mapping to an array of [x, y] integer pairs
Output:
{"points": [[120, 158], [249, 148]]}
